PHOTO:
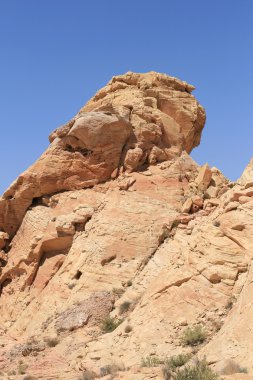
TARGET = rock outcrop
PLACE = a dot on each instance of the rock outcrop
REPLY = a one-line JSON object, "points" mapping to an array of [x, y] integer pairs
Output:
{"points": [[115, 242], [135, 120]]}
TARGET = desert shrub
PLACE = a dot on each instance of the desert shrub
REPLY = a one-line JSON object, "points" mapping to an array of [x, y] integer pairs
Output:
{"points": [[111, 369], [87, 375], [199, 371], [217, 325], [177, 361], [129, 283], [118, 291], [230, 303], [232, 367], [128, 329], [22, 367], [51, 341], [193, 336], [109, 324], [124, 307], [150, 361]]}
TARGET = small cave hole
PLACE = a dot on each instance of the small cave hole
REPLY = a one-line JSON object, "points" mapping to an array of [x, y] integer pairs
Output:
{"points": [[83, 151], [5, 283], [78, 275], [37, 202], [79, 227]]}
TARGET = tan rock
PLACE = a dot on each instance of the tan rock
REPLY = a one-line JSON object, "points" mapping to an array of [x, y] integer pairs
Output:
{"points": [[231, 206], [3, 238], [187, 206], [211, 192], [198, 201], [98, 255], [244, 199], [247, 177], [136, 118], [204, 177]]}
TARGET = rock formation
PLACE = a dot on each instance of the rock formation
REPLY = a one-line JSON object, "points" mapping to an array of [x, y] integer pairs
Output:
{"points": [[115, 242]]}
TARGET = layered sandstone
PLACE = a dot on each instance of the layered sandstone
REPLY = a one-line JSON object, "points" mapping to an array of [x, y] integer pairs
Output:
{"points": [[115, 219], [135, 120]]}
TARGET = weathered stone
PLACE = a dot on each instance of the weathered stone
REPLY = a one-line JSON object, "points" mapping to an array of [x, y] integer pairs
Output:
{"points": [[187, 206], [3, 238], [96, 243], [211, 192], [204, 177]]}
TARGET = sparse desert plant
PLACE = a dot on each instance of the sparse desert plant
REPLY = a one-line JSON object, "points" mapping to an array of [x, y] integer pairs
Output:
{"points": [[22, 367], [129, 283], [128, 329], [51, 341], [232, 367], [111, 369], [230, 303], [217, 325], [118, 291], [124, 307], [109, 324], [150, 361], [193, 336], [177, 361], [199, 371], [87, 375]]}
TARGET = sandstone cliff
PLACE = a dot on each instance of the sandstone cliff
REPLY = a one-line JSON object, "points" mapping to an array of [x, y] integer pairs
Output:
{"points": [[115, 241]]}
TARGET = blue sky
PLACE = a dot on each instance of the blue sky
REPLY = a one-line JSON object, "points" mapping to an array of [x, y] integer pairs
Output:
{"points": [[55, 54]]}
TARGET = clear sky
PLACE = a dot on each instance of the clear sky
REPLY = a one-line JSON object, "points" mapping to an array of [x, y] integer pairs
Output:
{"points": [[55, 54]]}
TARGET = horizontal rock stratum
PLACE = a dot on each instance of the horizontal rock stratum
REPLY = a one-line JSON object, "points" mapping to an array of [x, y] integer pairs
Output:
{"points": [[115, 242]]}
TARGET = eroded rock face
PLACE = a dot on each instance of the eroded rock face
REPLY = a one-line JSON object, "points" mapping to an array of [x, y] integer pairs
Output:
{"points": [[135, 120], [119, 224]]}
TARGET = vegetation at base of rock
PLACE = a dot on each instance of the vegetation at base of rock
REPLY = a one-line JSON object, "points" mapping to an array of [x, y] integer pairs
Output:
{"points": [[230, 303], [51, 341], [128, 329], [232, 367], [193, 336], [124, 307], [88, 375], [199, 371], [109, 324], [118, 291], [22, 367], [150, 361], [176, 361], [111, 369]]}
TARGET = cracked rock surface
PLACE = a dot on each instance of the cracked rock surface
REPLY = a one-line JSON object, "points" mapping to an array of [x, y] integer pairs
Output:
{"points": [[115, 241]]}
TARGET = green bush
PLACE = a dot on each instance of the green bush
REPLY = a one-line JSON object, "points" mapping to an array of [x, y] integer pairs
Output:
{"points": [[124, 307], [232, 367], [193, 336], [150, 361], [109, 324], [199, 371], [111, 369], [177, 361]]}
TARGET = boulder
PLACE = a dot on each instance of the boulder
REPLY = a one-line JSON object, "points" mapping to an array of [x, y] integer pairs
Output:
{"points": [[204, 177]]}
